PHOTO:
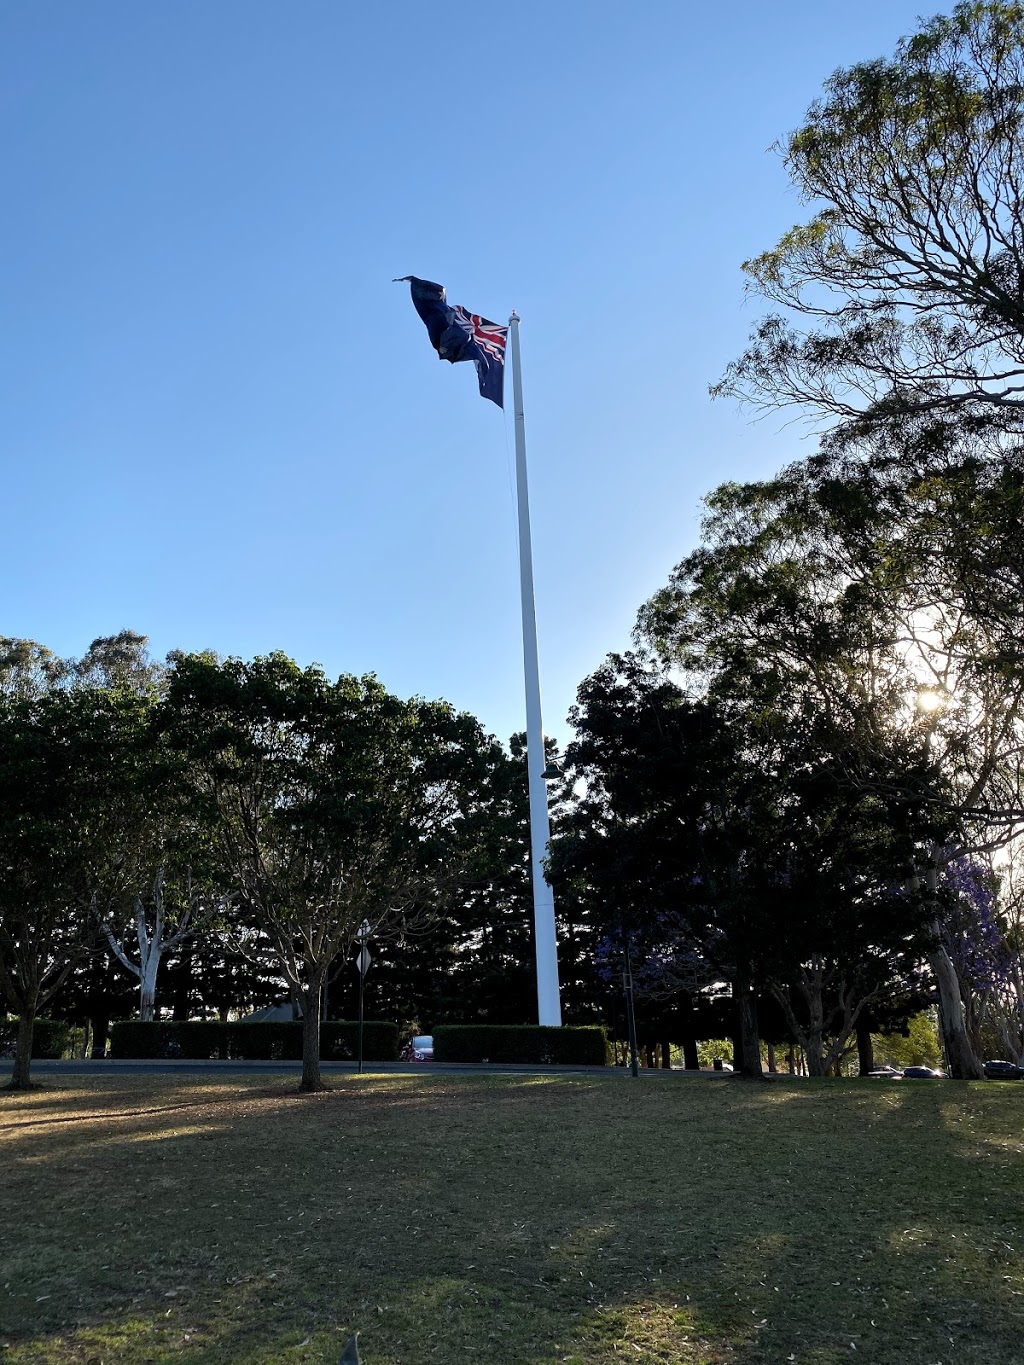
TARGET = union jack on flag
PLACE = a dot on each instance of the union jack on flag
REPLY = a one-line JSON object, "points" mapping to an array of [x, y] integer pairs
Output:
{"points": [[486, 334], [458, 335]]}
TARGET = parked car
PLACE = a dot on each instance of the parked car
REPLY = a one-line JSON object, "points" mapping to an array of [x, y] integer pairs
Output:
{"points": [[887, 1073], [923, 1073], [1003, 1071], [419, 1049]]}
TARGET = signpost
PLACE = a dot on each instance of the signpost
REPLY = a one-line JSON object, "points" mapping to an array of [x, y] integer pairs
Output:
{"points": [[627, 987], [363, 961]]}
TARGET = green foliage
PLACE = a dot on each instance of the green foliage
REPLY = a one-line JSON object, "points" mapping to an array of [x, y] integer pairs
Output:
{"points": [[742, 836], [258, 1041], [712, 1050], [65, 759], [919, 1047], [51, 1038], [335, 804], [339, 1040], [908, 278], [131, 1038], [526, 1043]]}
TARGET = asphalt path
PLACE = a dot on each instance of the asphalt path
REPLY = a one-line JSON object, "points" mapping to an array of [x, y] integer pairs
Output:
{"points": [[107, 1066]]}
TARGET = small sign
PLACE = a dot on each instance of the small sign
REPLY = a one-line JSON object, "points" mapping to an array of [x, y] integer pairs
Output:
{"points": [[363, 960]]}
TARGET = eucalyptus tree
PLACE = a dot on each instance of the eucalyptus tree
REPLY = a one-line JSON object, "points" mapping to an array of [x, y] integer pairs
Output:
{"points": [[164, 852], [1006, 974], [736, 841], [825, 592], [334, 805], [162, 917], [902, 293], [29, 669], [63, 757], [120, 660]]}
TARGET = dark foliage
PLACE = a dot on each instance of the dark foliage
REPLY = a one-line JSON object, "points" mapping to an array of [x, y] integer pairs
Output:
{"points": [[527, 1043], [339, 1041], [51, 1038]]}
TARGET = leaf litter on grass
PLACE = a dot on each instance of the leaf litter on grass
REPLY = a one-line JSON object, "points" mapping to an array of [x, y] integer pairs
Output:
{"points": [[500, 1220]]}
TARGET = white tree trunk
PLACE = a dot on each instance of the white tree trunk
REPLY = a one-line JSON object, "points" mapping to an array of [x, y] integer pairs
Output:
{"points": [[147, 982], [964, 1063], [151, 945]]}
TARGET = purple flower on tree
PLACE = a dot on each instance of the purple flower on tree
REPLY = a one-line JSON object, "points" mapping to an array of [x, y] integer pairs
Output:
{"points": [[973, 936]]}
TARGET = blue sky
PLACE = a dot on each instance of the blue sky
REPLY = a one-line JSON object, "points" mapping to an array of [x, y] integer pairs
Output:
{"points": [[222, 425]]}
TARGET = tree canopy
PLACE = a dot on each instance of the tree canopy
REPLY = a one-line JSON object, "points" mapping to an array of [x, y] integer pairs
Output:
{"points": [[904, 292]]}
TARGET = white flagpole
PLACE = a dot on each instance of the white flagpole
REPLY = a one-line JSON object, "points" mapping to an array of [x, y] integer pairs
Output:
{"points": [[549, 1007]]}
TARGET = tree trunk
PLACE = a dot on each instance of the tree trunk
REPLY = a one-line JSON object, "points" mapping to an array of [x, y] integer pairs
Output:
{"points": [[815, 1054], [748, 1053], [100, 1029], [791, 1061], [964, 1063], [150, 965], [961, 1058], [666, 1055], [311, 1078], [691, 1062], [21, 1077], [182, 994], [865, 1050], [772, 1067]]}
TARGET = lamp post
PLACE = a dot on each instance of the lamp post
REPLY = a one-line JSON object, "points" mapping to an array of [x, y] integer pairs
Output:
{"points": [[627, 988], [363, 964]]}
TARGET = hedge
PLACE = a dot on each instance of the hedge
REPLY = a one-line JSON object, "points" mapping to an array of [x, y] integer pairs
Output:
{"points": [[51, 1037], [339, 1041], [256, 1042], [529, 1043]]}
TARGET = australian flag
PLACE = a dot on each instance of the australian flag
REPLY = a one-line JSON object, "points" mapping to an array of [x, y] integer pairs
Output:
{"points": [[457, 335]]}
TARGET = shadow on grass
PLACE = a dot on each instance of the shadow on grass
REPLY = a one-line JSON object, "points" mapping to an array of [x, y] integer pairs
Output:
{"points": [[514, 1221]]}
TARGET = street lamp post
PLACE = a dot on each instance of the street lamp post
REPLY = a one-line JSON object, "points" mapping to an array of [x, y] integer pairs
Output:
{"points": [[627, 987], [363, 964]]}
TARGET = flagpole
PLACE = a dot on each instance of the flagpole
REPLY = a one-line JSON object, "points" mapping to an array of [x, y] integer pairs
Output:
{"points": [[549, 1008]]}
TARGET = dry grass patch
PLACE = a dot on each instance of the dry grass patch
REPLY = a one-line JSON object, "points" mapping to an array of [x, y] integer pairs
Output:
{"points": [[511, 1221]]}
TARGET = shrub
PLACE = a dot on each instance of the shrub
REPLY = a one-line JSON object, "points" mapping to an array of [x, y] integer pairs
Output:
{"points": [[266, 1041], [526, 1043], [339, 1040], [198, 1041], [51, 1038], [256, 1042]]}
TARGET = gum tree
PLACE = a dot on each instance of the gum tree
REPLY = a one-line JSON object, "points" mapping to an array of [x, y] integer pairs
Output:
{"points": [[897, 327], [63, 757], [902, 293], [733, 839], [333, 803]]}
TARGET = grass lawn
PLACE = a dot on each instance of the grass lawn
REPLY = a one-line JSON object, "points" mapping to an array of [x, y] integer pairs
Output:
{"points": [[507, 1220]]}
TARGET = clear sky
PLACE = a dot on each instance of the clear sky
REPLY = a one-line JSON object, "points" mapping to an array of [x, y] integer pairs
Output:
{"points": [[223, 426]]}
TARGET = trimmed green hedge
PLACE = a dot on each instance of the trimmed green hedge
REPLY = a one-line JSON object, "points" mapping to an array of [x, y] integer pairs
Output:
{"points": [[50, 1039], [339, 1041], [529, 1043], [256, 1042]]}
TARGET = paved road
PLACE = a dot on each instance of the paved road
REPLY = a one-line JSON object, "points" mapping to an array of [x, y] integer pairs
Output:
{"points": [[109, 1067]]}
